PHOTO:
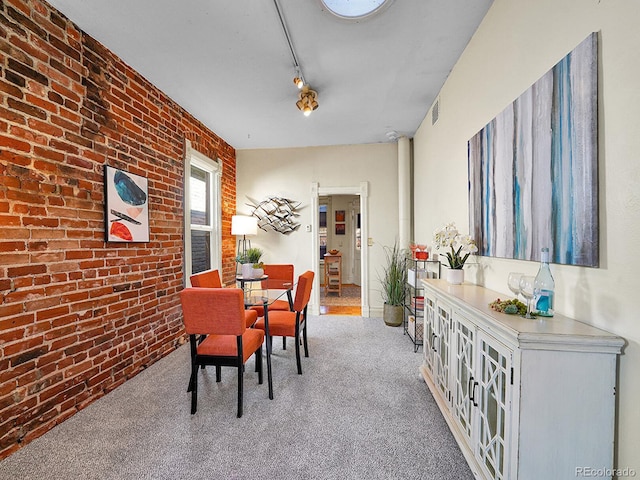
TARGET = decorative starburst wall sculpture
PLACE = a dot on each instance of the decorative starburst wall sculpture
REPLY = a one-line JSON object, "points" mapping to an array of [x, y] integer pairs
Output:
{"points": [[277, 214]]}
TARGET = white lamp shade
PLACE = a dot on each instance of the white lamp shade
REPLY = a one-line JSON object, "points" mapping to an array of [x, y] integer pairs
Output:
{"points": [[244, 225]]}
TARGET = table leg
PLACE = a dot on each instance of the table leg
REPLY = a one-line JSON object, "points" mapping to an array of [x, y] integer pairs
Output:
{"points": [[268, 341]]}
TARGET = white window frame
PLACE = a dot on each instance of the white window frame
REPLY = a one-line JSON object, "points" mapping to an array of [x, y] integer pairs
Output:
{"points": [[213, 167]]}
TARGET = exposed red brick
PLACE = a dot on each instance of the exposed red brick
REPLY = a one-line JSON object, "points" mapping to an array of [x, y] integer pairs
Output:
{"points": [[82, 316], [52, 312], [26, 270], [12, 246], [10, 89], [14, 144]]}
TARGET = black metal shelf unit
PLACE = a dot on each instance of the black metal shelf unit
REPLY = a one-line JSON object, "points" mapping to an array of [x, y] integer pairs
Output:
{"points": [[414, 297]]}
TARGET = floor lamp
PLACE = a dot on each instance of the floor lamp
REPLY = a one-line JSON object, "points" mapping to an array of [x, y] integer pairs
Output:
{"points": [[243, 225]]}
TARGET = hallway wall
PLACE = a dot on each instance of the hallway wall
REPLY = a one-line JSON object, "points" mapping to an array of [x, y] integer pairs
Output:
{"points": [[290, 172], [517, 43]]}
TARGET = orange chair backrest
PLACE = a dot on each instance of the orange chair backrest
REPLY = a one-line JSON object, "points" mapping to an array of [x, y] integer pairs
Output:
{"points": [[280, 276], [303, 291], [217, 311], [208, 279]]}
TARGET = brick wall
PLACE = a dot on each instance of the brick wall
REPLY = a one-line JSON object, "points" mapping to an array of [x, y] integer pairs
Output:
{"points": [[78, 316]]}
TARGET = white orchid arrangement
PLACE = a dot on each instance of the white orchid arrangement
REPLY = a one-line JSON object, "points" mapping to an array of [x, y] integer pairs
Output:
{"points": [[461, 246]]}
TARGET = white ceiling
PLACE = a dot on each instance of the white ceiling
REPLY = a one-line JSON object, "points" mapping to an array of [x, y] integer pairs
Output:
{"points": [[228, 63]]}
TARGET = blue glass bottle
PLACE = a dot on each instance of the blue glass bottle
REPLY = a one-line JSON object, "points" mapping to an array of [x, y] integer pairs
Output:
{"points": [[544, 287]]}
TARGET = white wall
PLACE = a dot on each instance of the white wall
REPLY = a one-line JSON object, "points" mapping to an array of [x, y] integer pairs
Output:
{"points": [[290, 172], [518, 41]]}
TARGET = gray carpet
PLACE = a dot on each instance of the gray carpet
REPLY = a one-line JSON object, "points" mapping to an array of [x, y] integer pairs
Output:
{"points": [[359, 411]]}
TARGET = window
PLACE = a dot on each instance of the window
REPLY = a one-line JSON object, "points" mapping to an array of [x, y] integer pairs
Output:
{"points": [[202, 214]]}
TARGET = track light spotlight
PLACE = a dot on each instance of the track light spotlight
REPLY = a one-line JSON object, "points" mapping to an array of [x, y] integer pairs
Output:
{"points": [[307, 100]]}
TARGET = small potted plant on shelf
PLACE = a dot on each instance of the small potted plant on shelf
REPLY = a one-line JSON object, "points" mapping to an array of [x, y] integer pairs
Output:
{"points": [[393, 282]]}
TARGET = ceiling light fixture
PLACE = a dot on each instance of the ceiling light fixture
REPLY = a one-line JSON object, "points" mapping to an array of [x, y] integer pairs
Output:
{"points": [[307, 100], [355, 9]]}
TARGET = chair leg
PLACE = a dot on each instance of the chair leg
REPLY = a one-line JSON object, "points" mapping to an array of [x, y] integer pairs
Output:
{"points": [[304, 338], [240, 389], [218, 373], [284, 343], [240, 361], [194, 392], [192, 378], [298, 352], [258, 357], [201, 339]]}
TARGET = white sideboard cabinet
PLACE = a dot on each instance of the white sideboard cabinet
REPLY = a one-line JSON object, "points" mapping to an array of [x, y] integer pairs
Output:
{"points": [[525, 399]]}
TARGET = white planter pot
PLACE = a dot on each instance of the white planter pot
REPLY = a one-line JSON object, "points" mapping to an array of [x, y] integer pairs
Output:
{"points": [[454, 276], [247, 270], [258, 272]]}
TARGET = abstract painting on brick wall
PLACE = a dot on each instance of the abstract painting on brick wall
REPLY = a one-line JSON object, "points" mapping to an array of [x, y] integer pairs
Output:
{"points": [[126, 206], [533, 178]]}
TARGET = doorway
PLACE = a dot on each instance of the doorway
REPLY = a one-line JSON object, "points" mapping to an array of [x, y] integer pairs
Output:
{"points": [[339, 231], [339, 219]]}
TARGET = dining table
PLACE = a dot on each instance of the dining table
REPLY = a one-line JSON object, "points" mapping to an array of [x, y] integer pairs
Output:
{"points": [[259, 297]]}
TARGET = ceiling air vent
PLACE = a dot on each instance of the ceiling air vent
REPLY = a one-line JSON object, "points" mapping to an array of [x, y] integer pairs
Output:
{"points": [[435, 112]]}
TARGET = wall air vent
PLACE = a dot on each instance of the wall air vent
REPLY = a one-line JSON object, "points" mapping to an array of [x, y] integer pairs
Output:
{"points": [[435, 112]]}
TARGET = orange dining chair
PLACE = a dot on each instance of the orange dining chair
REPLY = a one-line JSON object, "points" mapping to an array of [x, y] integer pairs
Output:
{"points": [[208, 278], [211, 279], [218, 314], [280, 278], [292, 323]]}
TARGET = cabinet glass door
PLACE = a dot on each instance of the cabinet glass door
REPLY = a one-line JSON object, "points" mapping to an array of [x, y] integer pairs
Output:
{"points": [[464, 384], [494, 405], [441, 344], [429, 333]]}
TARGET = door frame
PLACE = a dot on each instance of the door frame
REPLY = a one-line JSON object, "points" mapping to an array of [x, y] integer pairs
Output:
{"points": [[362, 191], [355, 254]]}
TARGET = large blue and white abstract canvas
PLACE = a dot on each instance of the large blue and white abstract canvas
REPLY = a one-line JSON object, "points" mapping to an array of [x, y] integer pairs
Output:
{"points": [[533, 179]]}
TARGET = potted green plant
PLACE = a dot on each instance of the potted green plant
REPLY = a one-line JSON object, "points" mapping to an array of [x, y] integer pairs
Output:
{"points": [[252, 259], [394, 280], [460, 247]]}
